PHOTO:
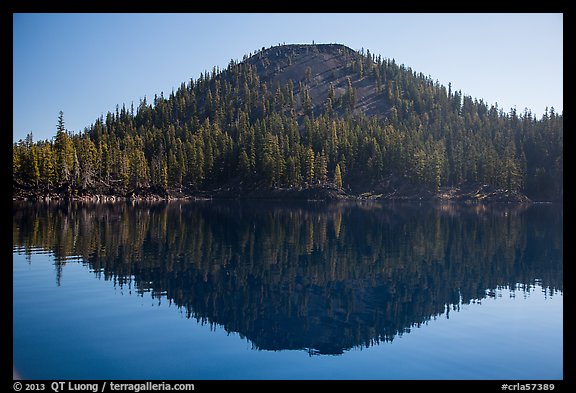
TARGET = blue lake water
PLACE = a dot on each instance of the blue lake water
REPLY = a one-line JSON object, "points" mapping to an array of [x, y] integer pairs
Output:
{"points": [[270, 290]]}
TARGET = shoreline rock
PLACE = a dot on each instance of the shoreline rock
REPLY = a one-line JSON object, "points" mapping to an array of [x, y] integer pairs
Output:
{"points": [[471, 193]]}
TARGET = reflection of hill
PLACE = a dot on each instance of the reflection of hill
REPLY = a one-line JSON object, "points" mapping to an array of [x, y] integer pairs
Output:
{"points": [[322, 277]]}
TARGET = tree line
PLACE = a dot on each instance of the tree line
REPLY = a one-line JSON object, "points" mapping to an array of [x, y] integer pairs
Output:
{"points": [[233, 127]]}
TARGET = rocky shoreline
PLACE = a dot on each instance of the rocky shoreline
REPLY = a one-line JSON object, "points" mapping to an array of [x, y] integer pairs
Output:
{"points": [[470, 193]]}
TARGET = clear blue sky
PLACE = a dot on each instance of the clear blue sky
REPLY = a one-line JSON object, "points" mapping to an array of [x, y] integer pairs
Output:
{"points": [[86, 64]]}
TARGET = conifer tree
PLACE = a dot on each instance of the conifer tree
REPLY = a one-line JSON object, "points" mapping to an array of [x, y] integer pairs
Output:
{"points": [[338, 177]]}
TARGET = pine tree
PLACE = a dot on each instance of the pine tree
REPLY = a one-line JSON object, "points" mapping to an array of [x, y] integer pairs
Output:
{"points": [[87, 156], [60, 125], [307, 101], [64, 150], [309, 167], [33, 171], [338, 177], [47, 164], [244, 168], [350, 96], [321, 168], [76, 171], [105, 162]]}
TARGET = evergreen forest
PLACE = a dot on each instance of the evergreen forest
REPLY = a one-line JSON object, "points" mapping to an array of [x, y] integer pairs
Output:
{"points": [[296, 117]]}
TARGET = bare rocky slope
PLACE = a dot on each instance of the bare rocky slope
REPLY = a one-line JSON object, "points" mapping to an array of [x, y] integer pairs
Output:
{"points": [[318, 66]]}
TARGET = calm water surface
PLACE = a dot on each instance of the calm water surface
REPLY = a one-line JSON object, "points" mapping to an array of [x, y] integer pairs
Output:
{"points": [[262, 290]]}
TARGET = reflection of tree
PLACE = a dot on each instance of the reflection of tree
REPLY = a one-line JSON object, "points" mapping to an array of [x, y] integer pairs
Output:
{"points": [[293, 276]]}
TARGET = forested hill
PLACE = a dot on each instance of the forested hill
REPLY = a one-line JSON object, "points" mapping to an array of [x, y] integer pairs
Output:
{"points": [[297, 119]]}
